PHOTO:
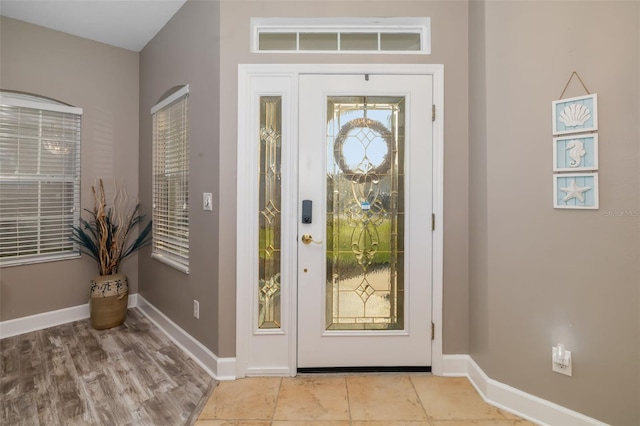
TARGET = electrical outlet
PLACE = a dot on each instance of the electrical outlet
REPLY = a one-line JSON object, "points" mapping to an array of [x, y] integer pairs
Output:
{"points": [[561, 361], [196, 309]]}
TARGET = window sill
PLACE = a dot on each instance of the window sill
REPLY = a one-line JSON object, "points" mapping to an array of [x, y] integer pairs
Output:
{"points": [[39, 259], [170, 262]]}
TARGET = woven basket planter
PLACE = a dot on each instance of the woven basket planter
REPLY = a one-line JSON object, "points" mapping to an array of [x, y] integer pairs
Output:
{"points": [[109, 298]]}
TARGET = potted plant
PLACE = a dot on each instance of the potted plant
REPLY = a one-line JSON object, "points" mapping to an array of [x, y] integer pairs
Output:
{"points": [[105, 237]]}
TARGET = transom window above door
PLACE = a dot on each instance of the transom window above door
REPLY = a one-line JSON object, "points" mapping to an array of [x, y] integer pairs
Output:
{"points": [[341, 35]]}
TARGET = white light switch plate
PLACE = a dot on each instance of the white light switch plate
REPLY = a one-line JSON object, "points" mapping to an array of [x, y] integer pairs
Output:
{"points": [[207, 201]]}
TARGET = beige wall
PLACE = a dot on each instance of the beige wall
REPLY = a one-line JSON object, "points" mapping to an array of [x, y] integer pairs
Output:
{"points": [[513, 283], [103, 80], [449, 47], [542, 276], [478, 213], [186, 51]]}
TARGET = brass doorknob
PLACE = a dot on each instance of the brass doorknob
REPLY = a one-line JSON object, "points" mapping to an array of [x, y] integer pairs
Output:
{"points": [[308, 239]]}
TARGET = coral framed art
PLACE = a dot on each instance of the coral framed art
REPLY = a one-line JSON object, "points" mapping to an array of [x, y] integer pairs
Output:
{"points": [[575, 191], [575, 115], [574, 153]]}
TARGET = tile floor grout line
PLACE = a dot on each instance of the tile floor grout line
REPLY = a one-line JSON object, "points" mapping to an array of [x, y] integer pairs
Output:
{"points": [[413, 385], [275, 406], [346, 385]]}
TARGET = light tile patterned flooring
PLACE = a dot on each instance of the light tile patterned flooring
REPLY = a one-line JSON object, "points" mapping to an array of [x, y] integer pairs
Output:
{"points": [[351, 400]]}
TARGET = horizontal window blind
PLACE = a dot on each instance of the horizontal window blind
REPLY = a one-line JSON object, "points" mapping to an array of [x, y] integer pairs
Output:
{"points": [[39, 179], [171, 180]]}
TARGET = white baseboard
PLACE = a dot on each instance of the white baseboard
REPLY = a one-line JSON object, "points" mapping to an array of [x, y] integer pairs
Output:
{"points": [[527, 406], [44, 320], [455, 365], [218, 368], [268, 372]]}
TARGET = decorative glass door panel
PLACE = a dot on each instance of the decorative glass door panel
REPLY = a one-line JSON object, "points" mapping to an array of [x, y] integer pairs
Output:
{"points": [[365, 213], [269, 217], [364, 231]]}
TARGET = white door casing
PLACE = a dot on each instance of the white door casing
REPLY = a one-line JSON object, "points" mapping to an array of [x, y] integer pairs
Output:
{"points": [[274, 351], [365, 340]]}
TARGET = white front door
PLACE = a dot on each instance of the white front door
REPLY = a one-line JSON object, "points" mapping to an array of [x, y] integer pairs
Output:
{"points": [[365, 231]]}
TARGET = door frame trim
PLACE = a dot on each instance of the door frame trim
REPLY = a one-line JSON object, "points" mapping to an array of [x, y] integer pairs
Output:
{"points": [[282, 360]]}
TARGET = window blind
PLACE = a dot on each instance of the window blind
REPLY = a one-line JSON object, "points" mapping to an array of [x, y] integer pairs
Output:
{"points": [[39, 179], [170, 186]]}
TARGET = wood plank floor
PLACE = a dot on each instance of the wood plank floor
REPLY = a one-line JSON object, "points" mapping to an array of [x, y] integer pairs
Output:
{"points": [[74, 375]]}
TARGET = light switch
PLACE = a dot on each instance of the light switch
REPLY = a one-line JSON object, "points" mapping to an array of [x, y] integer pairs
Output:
{"points": [[207, 201]]}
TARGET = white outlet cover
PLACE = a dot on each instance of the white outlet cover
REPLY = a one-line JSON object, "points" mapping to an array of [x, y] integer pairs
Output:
{"points": [[557, 367]]}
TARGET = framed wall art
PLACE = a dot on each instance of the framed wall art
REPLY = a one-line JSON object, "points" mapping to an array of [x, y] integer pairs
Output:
{"points": [[575, 191], [575, 115], [575, 153]]}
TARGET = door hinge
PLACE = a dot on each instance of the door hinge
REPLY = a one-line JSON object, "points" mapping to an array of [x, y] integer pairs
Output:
{"points": [[433, 331], [433, 221], [433, 113]]}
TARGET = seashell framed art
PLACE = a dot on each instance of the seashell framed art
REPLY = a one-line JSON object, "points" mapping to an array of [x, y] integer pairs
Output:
{"points": [[575, 115], [575, 191], [575, 153]]}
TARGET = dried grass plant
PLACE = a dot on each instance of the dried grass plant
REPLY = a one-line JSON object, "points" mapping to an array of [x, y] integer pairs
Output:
{"points": [[105, 236]]}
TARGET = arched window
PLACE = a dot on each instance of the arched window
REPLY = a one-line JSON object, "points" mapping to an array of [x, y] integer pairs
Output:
{"points": [[39, 178]]}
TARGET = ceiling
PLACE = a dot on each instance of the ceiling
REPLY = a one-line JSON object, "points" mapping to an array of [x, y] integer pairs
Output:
{"points": [[129, 24]]}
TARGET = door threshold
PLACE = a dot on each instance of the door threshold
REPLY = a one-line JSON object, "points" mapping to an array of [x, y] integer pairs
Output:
{"points": [[342, 370]]}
